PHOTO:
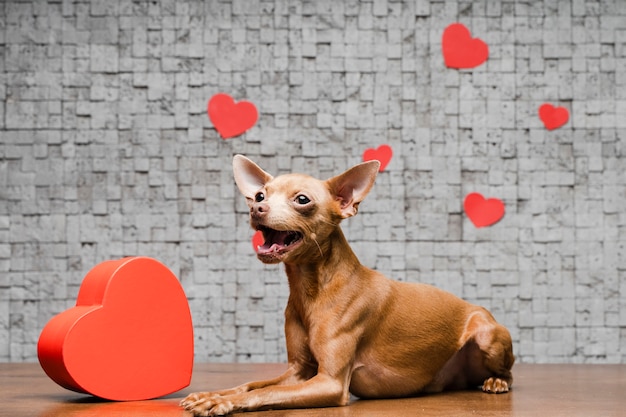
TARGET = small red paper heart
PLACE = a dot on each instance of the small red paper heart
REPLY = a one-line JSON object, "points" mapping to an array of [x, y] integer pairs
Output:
{"points": [[483, 212], [229, 118], [381, 154], [460, 50], [257, 240], [129, 337], [553, 117]]}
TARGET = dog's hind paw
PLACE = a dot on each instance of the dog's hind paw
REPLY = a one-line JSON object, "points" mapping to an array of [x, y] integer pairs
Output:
{"points": [[495, 385]]}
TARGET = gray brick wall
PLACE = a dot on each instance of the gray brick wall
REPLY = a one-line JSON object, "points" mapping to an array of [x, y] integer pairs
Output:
{"points": [[106, 150]]}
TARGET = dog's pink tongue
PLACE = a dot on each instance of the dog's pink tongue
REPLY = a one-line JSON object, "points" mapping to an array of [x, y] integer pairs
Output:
{"points": [[263, 249]]}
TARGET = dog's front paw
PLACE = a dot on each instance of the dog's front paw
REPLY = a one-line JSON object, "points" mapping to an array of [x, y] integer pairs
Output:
{"points": [[207, 404], [495, 386]]}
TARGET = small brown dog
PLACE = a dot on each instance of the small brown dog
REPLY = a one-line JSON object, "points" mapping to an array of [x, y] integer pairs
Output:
{"points": [[350, 329]]}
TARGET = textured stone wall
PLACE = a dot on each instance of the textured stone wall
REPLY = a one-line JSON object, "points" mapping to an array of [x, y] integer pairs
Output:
{"points": [[106, 151]]}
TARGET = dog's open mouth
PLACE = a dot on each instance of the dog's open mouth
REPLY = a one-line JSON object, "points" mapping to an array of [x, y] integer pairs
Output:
{"points": [[277, 241]]}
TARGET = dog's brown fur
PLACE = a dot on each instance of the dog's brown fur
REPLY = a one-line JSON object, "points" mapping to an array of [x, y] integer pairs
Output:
{"points": [[350, 329]]}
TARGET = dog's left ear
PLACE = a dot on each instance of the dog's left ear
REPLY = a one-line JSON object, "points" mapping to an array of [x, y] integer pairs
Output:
{"points": [[351, 187], [250, 178]]}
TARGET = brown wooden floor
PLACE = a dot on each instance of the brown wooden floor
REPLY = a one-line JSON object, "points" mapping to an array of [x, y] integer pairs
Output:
{"points": [[546, 390]]}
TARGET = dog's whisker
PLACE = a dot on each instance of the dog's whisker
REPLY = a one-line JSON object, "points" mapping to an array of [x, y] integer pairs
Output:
{"points": [[314, 238]]}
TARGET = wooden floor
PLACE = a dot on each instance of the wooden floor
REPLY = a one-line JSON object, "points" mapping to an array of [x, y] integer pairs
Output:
{"points": [[547, 390]]}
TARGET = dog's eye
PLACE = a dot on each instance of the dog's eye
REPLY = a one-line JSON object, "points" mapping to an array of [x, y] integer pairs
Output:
{"points": [[259, 197], [302, 199]]}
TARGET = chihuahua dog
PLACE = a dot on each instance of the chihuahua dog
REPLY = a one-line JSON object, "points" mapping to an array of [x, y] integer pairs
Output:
{"points": [[350, 329]]}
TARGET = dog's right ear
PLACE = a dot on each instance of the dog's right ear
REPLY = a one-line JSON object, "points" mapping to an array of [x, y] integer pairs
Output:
{"points": [[250, 178], [351, 187]]}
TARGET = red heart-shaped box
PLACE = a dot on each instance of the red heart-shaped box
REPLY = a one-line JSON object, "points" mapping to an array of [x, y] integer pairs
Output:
{"points": [[229, 118], [381, 154], [481, 211], [129, 337]]}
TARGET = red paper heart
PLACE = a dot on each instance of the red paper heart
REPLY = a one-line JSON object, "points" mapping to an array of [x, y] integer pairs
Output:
{"points": [[381, 154], [460, 50], [257, 240], [483, 212], [229, 118], [553, 117], [129, 337]]}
